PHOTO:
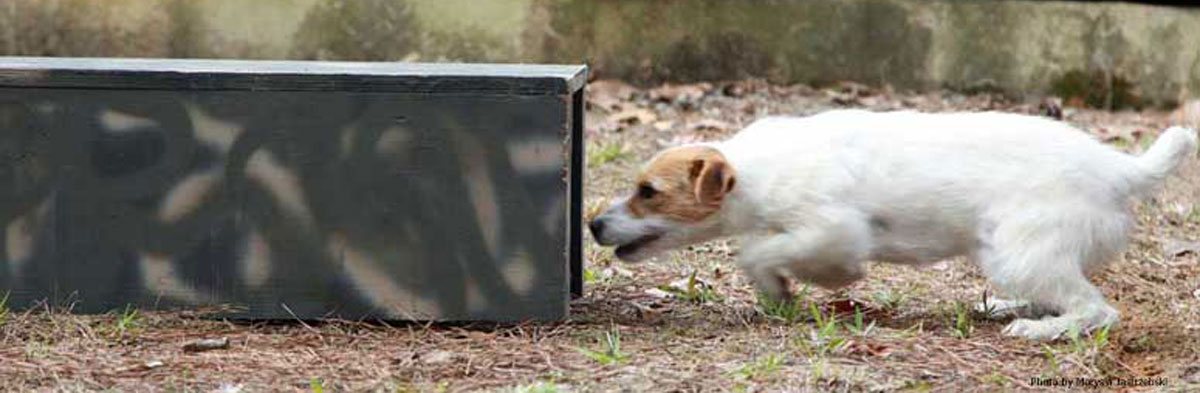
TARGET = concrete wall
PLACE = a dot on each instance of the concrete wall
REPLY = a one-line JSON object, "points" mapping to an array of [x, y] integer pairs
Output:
{"points": [[1150, 53]]}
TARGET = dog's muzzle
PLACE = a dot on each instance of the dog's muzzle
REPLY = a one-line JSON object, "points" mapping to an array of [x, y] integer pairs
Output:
{"points": [[597, 227], [625, 248]]}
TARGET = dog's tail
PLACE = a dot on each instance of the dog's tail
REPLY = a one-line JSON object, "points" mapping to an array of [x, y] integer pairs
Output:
{"points": [[1175, 145]]}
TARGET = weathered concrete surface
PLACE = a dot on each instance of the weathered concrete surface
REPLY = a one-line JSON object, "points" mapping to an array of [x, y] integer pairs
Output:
{"points": [[1006, 45], [1015, 46]]}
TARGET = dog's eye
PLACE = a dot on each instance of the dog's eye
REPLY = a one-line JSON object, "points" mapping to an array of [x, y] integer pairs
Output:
{"points": [[645, 191]]}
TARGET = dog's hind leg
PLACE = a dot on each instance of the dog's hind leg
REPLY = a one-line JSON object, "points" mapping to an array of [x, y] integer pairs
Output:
{"points": [[1042, 257]]}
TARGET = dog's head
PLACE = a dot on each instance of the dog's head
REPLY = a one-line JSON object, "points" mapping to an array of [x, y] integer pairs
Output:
{"points": [[674, 203]]}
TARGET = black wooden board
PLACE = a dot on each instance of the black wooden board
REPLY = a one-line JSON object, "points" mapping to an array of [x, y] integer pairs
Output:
{"points": [[434, 78], [282, 200]]}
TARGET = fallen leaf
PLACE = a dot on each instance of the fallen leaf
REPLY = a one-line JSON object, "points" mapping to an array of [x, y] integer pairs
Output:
{"points": [[617, 271], [841, 98], [648, 313], [607, 103], [848, 307], [867, 349], [147, 366], [682, 285], [207, 344], [611, 88], [684, 139], [710, 125], [658, 293], [735, 90], [469, 334], [854, 88], [1179, 247], [635, 116], [680, 93], [1129, 134]]}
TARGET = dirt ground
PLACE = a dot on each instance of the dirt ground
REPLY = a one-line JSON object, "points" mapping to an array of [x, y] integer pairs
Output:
{"points": [[688, 321]]}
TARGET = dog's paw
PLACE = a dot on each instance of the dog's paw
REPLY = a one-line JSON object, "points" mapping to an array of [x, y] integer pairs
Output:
{"points": [[1037, 330]]}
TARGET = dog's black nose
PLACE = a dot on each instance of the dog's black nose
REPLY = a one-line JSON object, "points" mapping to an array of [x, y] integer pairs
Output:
{"points": [[597, 227]]}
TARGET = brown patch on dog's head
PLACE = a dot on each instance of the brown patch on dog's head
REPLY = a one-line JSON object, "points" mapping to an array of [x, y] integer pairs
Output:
{"points": [[685, 184]]}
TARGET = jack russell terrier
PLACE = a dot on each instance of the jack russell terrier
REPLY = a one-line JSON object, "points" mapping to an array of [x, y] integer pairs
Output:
{"points": [[1035, 203]]}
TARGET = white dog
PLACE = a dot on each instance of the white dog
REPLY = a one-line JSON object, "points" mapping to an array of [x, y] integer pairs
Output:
{"points": [[1036, 203]]}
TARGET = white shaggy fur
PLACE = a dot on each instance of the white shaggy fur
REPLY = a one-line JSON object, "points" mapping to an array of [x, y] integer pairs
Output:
{"points": [[1034, 202]]}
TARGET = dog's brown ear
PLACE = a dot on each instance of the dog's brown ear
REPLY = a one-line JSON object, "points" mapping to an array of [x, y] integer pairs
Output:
{"points": [[712, 179]]}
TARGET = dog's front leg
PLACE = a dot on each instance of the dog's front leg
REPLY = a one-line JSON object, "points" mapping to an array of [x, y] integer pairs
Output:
{"points": [[828, 258], [768, 278]]}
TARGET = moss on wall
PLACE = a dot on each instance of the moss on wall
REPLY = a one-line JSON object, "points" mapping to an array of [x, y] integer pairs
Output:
{"points": [[1096, 89], [361, 30]]}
